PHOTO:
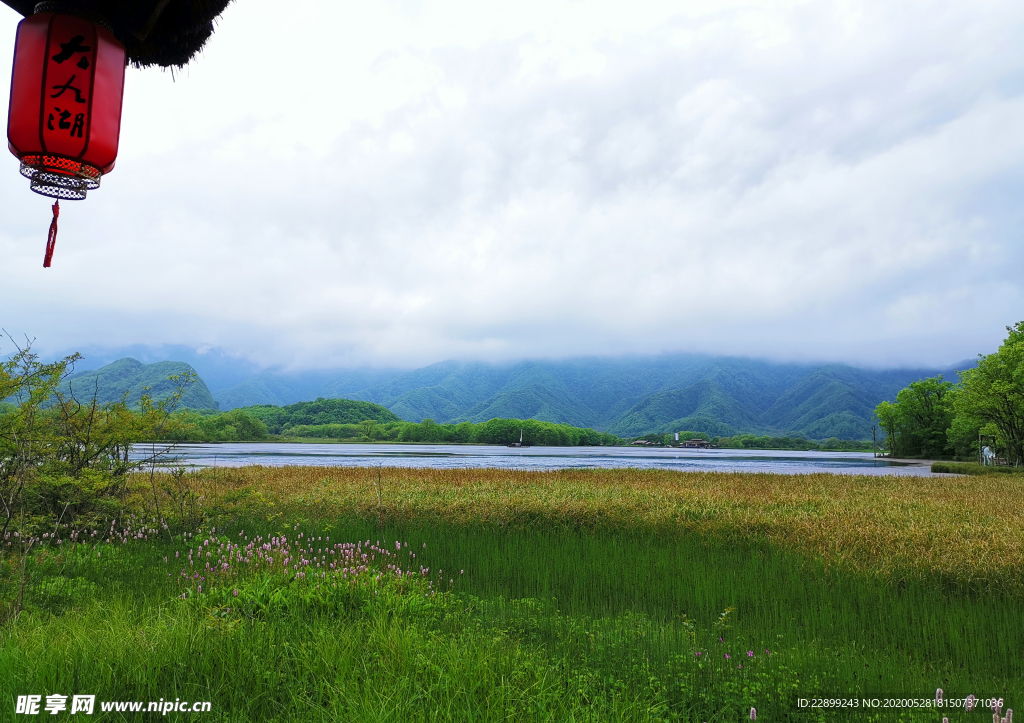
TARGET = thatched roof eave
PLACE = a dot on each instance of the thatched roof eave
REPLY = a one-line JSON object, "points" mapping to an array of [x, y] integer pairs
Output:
{"points": [[166, 33]]}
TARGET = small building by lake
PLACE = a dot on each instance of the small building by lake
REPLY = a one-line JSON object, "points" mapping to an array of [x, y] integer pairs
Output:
{"points": [[697, 443]]}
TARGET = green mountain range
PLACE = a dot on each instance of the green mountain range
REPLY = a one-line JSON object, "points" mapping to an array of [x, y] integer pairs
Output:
{"points": [[631, 397], [625, 396]]}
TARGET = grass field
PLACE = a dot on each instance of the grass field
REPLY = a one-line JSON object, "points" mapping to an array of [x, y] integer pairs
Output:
{"points": [[490, 595]]}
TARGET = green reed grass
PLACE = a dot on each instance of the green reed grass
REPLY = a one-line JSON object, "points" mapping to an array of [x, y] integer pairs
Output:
{"points": [[907, 634], [584, 596], [965, 531], [378, 667]]}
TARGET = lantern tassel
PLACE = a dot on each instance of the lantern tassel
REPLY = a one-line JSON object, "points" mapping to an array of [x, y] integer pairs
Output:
{"points": [[51, 238]]}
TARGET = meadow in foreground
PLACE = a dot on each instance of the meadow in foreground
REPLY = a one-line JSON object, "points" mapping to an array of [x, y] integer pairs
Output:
{"points": [[394, 594]]}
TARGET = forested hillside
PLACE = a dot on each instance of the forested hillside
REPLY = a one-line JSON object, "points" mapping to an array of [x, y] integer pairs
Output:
{"points": [[628, 397], [111, 382]]}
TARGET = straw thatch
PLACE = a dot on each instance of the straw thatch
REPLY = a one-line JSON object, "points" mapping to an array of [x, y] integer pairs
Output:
{"points": [[167, 33]]}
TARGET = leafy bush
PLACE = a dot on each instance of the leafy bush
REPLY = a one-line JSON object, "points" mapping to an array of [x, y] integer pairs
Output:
{"points": [[64, 459]]}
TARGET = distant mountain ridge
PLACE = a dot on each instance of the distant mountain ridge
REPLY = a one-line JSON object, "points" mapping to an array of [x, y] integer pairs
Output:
{"points": [[633, 396], [283, 389], [629, 397]]}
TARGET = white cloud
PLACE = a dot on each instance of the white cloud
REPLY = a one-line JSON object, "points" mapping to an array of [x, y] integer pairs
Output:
{"points": [[403, 182]]}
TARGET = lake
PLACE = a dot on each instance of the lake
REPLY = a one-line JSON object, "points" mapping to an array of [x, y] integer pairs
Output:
{"points": [[538, 458]]}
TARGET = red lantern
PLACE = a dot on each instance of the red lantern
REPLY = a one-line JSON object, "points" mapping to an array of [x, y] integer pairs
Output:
{"points": [[65, 113]]}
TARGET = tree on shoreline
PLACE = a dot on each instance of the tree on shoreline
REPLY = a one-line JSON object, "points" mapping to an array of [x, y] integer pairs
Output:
{"points": [[935, 418], [889, 420], [65, 458], [992, 393], [917, 422]]}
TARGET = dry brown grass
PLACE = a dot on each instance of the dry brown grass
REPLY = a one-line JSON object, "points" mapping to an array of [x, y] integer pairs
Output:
{"points": [[967, 529]]}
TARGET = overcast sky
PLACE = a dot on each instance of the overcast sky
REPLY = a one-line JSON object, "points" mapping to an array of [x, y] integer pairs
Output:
{"points": [[398, 182]]}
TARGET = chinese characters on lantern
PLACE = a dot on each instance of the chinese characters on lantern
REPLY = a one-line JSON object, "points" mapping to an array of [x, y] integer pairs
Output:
{"points": [[66, 118]]}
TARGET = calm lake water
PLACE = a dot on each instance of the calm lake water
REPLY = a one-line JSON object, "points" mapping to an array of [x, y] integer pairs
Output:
{"points": [[537, 458]]}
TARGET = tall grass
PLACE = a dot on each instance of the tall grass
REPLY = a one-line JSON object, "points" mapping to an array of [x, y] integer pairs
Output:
{"points": [[378, 666], [963, 531], [909, 634], [576, 595]]}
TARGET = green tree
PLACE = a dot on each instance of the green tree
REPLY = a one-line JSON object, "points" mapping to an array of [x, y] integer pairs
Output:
{"points": [[993, 393], [926, 413], [464, 432], [63, 455], [889, 420], [917, 422], [24, 439]]}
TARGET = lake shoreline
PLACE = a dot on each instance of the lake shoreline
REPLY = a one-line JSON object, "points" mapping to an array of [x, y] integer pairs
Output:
{"points": [[466, 456], [274, 439]]}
